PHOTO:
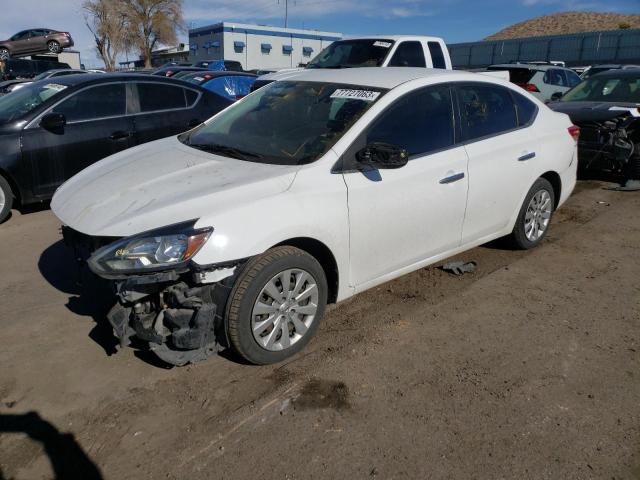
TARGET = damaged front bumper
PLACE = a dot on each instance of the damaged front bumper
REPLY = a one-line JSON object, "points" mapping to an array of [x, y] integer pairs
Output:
{"points": [[178, 314]]}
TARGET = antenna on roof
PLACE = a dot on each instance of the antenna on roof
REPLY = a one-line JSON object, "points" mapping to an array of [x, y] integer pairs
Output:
{"points": [[286, 11]]}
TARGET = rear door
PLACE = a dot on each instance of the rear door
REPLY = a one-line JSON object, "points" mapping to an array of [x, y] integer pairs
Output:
{"points": [[404, 216], [162, 110], [96, 128], [502, 153]]}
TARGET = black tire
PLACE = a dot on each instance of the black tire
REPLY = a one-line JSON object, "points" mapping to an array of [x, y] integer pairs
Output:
{"points": [[256, 274], [53, 46], [4, 53], [518, 236], [7, 194]]}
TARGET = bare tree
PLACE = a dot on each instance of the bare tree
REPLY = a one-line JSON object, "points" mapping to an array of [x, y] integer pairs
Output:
{"points": [[108, 22], [154, 22]]}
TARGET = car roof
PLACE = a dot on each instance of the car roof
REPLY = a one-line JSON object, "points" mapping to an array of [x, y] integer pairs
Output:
{"points": [[388, 78], [395, 38], [619, 73], [222, 73], [530, 66], [82, 78]]}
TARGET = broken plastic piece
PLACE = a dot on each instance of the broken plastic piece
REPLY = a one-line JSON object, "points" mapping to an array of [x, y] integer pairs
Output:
{"points": [[459, 268]]}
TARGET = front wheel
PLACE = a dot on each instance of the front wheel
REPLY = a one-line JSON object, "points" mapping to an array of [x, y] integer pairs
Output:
{"points": [[276, 305], [6, 199], [535, 215], [4, 53], [53, 46]]}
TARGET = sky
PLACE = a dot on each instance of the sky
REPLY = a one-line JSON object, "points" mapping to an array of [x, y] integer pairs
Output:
{"points": [[454, 20]]}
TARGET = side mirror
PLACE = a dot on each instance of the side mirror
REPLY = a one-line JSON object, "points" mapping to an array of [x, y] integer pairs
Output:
{"points": [[556, 96], [53, 121], [379, 155]]}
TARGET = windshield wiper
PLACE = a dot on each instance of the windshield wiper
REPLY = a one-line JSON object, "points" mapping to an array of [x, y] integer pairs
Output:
{"points": [[225, 150]]}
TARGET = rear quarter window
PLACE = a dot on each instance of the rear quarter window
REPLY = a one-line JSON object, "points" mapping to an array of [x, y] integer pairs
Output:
{"points": [[437, 57], [526, 110]]}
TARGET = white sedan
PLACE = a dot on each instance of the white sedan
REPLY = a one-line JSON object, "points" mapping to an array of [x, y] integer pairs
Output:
{"points": [[237, 233]]}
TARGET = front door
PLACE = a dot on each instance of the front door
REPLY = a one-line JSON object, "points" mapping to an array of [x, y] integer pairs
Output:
{"points": [[398, 218], [96, 128]]}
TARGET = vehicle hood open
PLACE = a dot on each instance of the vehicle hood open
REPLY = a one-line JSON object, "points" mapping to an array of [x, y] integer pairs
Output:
{"points": [[593, 111], [162, 183]]}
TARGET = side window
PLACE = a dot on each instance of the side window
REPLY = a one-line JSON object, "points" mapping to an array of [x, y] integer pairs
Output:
{"points": [[437, 57], [191, 96], [525, 109], [555, 77], [94, 103], [155, 96], [485, 110], [408, 54], [21, 36], [421, 122], [572, 78]]}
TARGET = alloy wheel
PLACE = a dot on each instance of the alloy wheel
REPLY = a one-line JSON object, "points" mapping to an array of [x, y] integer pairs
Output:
{"points": [[285, 309], [4, 54], [54, 47], [536, 219], [3, 200]]}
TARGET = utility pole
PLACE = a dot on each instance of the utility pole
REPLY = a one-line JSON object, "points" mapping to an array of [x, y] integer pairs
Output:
{"points": [[286, 12]]}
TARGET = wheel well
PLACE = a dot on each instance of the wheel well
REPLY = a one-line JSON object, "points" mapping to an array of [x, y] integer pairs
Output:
{"points": [[323, 255], [14, 186], [554, 179]]}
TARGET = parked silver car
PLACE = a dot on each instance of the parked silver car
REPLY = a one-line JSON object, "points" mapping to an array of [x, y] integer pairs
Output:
{"points": [[542, 81]]}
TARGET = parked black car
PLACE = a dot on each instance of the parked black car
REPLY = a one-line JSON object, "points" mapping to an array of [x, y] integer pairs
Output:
{"points": [[52, 129], [19, 68], [226, 65], [606, 107], [9, 85]]}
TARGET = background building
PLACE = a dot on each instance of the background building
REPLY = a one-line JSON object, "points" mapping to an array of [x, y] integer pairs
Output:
{"points": [[257, 47]]}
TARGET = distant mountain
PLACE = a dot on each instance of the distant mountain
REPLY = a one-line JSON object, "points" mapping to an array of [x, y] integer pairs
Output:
{"points": [[567, 22]]}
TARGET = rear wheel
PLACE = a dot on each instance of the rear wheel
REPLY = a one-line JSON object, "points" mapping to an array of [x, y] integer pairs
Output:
{"points": [[276, 305], [6, 199], [53, 46], [535, 215], [4, 53]]}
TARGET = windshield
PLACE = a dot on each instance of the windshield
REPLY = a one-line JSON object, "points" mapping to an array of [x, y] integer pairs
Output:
{"points": [[22, 101], [625, 89], [285, 123], [352, 53]]}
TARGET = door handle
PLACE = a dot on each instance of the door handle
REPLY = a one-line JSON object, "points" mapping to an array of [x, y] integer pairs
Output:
{"points": [[119, 135], [526, 156], [452, 178]]}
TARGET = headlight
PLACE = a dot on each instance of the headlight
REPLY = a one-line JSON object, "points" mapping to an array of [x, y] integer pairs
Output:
{"points": [[150, 251]]}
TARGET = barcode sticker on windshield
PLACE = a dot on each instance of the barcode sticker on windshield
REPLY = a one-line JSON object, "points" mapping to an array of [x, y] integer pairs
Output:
{"points": [[366, 95], [55, 86], [382, 44]]}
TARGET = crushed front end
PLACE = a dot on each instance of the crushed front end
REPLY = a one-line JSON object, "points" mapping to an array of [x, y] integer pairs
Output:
{"points": [[177, 310]]}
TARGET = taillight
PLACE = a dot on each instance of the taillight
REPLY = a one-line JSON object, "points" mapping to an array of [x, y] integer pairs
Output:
{"points": [[574, 131], [530, 87]]}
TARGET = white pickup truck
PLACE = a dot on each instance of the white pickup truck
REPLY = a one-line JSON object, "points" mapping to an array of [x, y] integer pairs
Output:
{"points": [[374, 51]]}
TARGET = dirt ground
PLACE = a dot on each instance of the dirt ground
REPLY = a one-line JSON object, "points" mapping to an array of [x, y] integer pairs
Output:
{"points": [[526, 369]]}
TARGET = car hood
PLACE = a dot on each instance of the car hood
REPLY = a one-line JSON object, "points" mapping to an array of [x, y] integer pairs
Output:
{"points": [[592, 111], [162, 183]]}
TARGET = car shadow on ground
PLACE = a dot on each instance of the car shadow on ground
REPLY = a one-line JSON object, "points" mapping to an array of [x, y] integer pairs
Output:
{"points": [[89, 296], [68, 459]]}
